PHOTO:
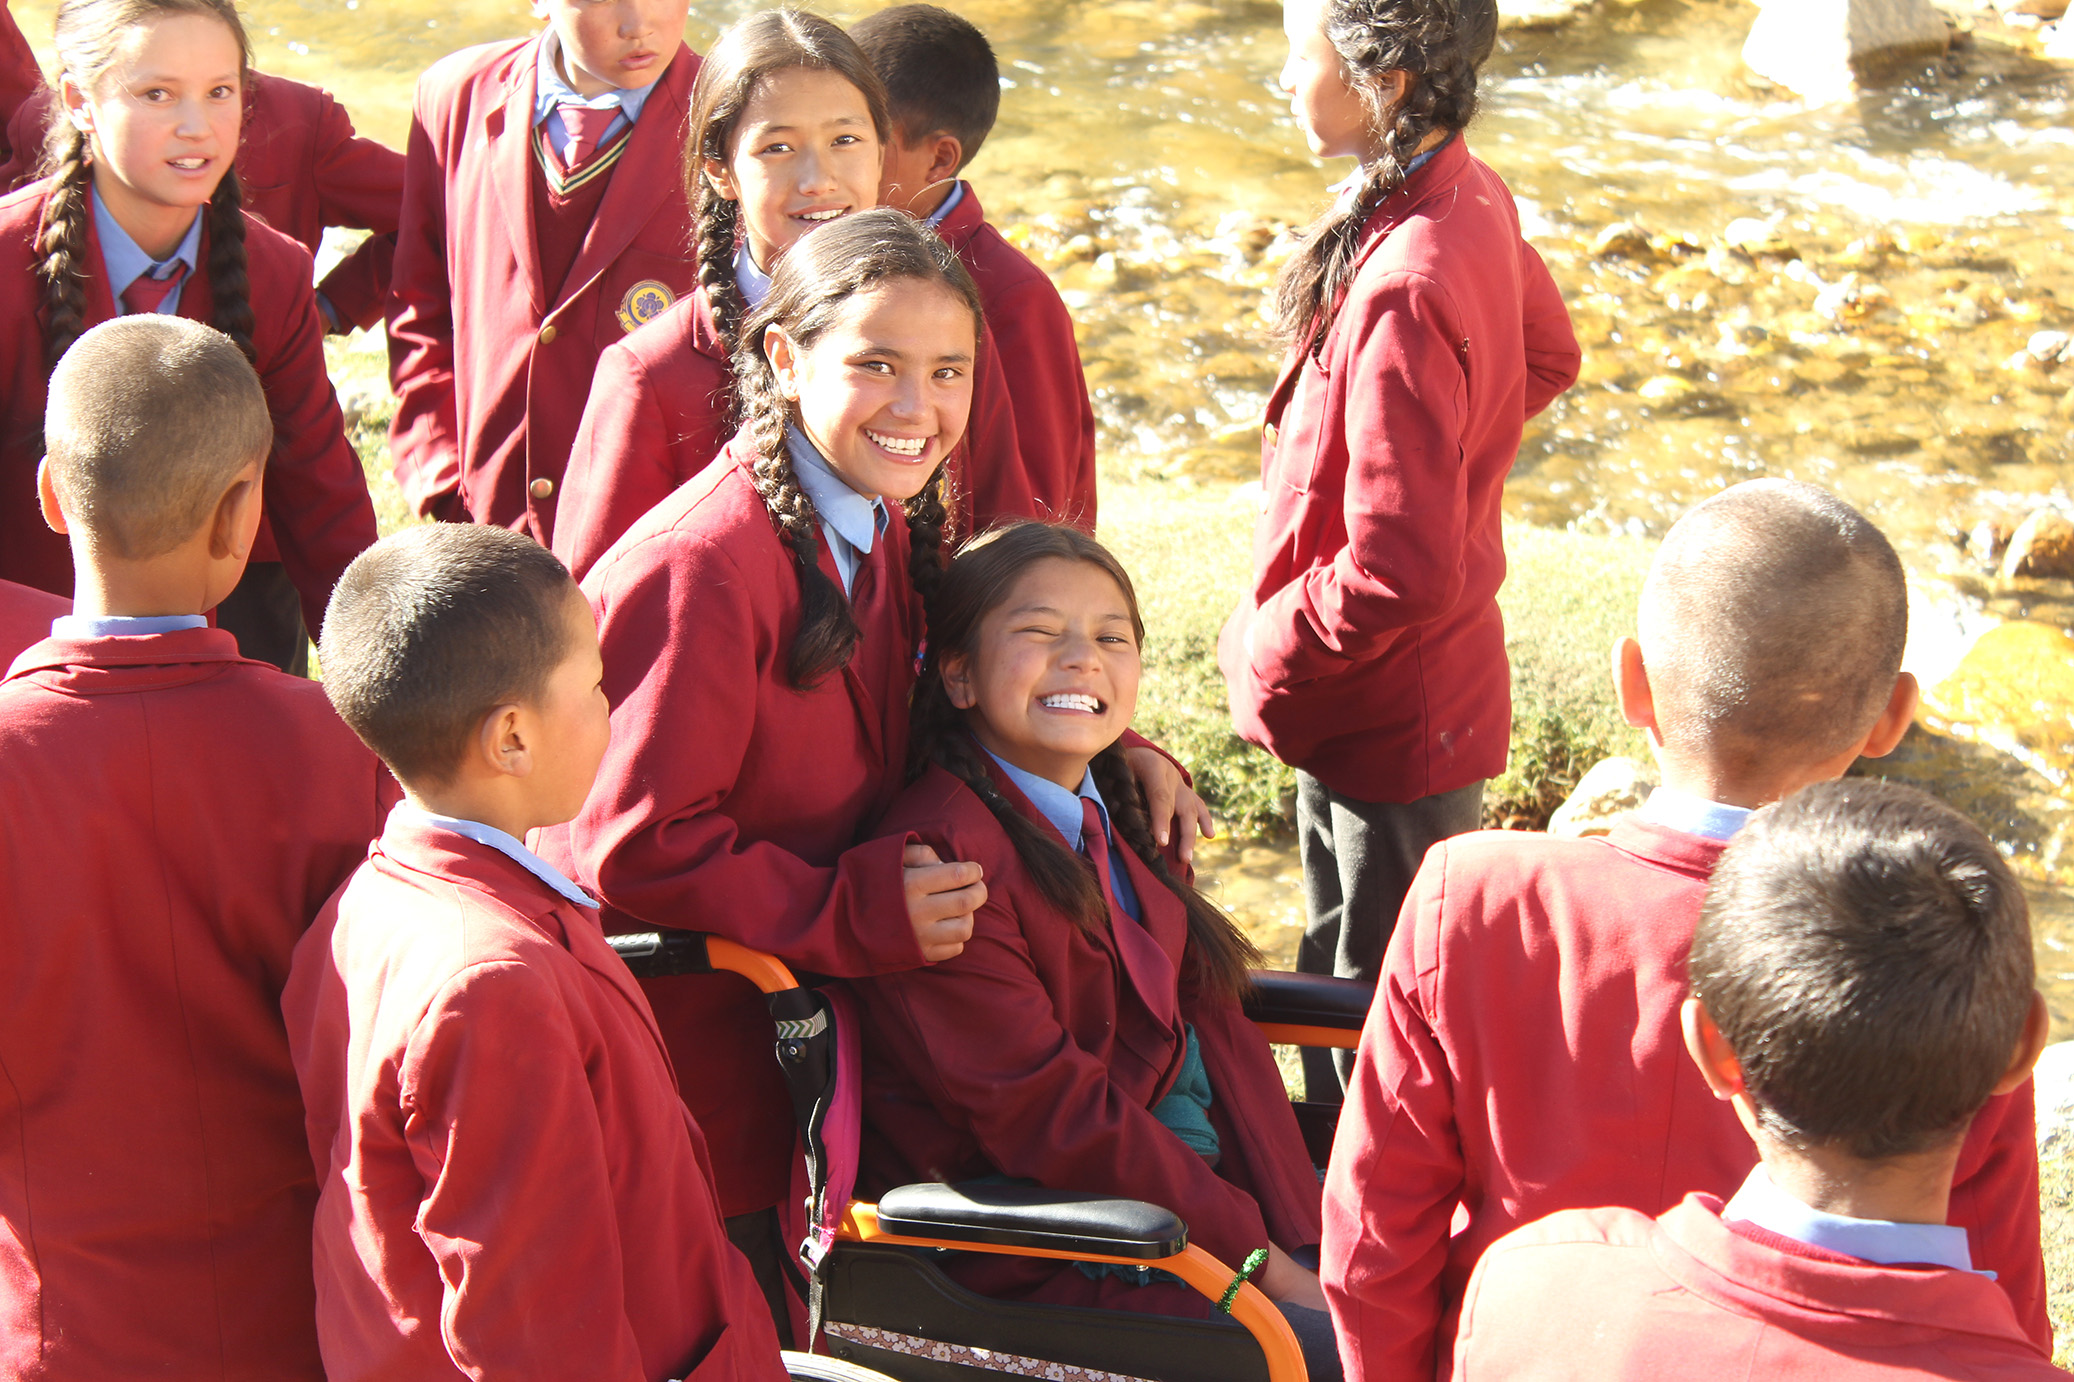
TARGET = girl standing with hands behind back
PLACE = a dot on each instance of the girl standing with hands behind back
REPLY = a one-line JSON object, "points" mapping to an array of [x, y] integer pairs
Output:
{"points": [[1423, 332]]}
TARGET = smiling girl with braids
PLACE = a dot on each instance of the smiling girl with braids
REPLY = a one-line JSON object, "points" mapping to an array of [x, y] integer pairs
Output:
{"points": [[1089, 1036], [139, 211], [1423, 332]]}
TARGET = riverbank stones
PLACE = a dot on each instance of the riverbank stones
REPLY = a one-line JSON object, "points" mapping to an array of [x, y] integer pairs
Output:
{"points": [[2041, 546], [1613, 788], [1822, 50]]}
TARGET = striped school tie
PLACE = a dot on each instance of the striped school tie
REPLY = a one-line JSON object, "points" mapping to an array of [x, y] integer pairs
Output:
{"points": [[148, 294]]}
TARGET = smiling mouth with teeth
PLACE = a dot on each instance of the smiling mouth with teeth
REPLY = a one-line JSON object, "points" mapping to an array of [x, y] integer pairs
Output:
{"points": [[899, 446], [1071, 700], [822, 215]]}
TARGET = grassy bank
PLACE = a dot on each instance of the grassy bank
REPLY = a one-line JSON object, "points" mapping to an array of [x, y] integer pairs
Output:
{"points": [[1567, 598]]}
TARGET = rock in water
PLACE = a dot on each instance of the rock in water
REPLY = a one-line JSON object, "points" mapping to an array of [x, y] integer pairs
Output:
{"points": [[1822, 49], [1613, 787], [2054, 1094], [1539, 14], [2042, 545]]}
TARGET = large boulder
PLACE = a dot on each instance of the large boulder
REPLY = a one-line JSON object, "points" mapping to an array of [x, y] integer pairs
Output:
{"points": [[1823, 49], [1613, 788]]}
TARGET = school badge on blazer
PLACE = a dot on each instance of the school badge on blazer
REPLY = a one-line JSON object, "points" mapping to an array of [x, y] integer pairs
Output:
{"points": [[644, 302]]}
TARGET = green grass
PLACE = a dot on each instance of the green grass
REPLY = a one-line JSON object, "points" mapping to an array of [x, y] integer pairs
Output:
{"points": [[2056, 1203], [359, 365], [1567, 597]]}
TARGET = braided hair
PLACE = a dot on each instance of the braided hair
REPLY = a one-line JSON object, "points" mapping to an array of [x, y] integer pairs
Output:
{"points": [[816, 277], [88, 33], [1438, 45], [982, 579], [749, 52]]}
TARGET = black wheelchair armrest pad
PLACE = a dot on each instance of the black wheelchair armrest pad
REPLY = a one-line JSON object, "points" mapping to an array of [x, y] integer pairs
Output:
{"points": [[1030, 1216], [1308, 1000], [654, 954]]}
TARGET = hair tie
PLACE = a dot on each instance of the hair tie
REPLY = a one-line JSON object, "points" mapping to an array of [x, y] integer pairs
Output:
{"points": [[1254, 1260]]}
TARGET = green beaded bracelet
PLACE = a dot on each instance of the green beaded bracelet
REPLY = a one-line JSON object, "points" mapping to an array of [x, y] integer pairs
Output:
{"points": [[1254, 1261]]}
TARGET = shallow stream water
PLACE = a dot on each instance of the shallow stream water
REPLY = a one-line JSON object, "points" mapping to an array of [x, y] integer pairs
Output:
{"points": [[1761, 288]]}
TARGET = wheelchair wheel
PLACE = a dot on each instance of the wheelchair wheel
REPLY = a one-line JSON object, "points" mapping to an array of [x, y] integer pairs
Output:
{"points": [[819, 1367]]}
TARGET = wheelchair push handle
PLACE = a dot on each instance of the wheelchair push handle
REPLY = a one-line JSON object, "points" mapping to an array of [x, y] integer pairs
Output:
{"points": [[662, 953]]}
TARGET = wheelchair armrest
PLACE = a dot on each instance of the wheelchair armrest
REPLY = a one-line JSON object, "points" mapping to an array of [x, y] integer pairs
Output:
{"points": [[1030, 1216], [653, 954], [1308, 1000]]}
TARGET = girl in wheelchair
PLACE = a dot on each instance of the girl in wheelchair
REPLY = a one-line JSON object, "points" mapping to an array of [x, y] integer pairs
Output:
{"points": [[1089, 1037]]}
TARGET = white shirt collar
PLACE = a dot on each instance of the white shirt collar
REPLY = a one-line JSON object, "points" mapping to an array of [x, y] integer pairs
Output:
{"points": [[1682, 811], [504, 844], [84, 626], [1764, 1205], [754, 283]]}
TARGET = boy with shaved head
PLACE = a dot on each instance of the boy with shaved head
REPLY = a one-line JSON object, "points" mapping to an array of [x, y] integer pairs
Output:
{"points": [[1523, 1055], [172, 815]]}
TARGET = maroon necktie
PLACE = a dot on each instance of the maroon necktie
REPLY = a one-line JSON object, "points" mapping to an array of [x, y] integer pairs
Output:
{"points": [[586, 128], [146, 293], [1150, 970]]}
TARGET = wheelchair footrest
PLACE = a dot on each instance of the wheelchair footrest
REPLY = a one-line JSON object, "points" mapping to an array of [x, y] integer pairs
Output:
{"points": [[1029, 1216]]}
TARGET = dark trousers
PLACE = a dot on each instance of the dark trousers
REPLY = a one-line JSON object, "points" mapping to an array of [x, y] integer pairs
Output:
{"points": [[1359, 859], [265, 614], [762, 1240]]}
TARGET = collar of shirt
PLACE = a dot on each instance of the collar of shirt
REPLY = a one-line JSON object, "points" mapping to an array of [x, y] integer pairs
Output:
{"points": [[504, 844], [82, 626], [1710, 820], [754, 283], [126, 261], [950, 204], [1763, 1204], [1351, 183], [850, 521], [1057, 805], [550, 91]]}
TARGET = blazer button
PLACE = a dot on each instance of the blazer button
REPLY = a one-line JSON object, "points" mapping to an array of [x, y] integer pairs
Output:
{"points": [[1272, 433], [543, 486], [547, 335]]}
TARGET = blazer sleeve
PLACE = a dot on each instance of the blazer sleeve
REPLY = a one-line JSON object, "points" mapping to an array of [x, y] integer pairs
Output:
{"points": [[640, 438], [1396, 1172], [1552, 354], [26, 126], [424, 438], [316, 494], [1995, 1199], [1054, 419], [503, 1127], [989, 473], [1039, 1105], [20, 76], [360, 187], [681, 648], [1406, 502]]}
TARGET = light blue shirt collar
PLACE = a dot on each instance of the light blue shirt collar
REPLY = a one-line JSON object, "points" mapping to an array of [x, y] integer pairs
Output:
{"points": [[1710, 820], [1348, 185], [950, 204], [1764, 1205], [83, 626], [850, 522], [126, 261], [504, 844], [754, 283], [550, 91], [1055, 803]]}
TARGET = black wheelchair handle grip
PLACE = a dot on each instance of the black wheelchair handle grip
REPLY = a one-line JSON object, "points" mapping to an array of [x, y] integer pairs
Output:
{"points": [[656, 954]]}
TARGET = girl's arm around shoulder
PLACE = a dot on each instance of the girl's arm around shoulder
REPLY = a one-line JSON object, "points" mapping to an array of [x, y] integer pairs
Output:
{"points": [[504, 1127], [688, 623]]}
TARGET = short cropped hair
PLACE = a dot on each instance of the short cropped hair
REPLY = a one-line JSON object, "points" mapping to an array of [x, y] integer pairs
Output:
{"points": [[1867, 955], [1772, 624], [939, 72], [432, 628], [150, 417]]}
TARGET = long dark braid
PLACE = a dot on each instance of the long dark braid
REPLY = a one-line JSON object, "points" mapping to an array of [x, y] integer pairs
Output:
{"points": [[814, 279], [740, 60], [1439, 45], [87, 35], [979, 581]]}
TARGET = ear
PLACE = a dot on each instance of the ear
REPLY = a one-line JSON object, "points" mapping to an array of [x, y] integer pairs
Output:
{"points": [[2029, 1047], [47, 498], [1894, 721], [74, 99], [1631, 686], [501, 741], [946, 156], [234, 527], [1710, 1051], [784, 358], [722, 179], [1396, 86], [956, 671]]}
